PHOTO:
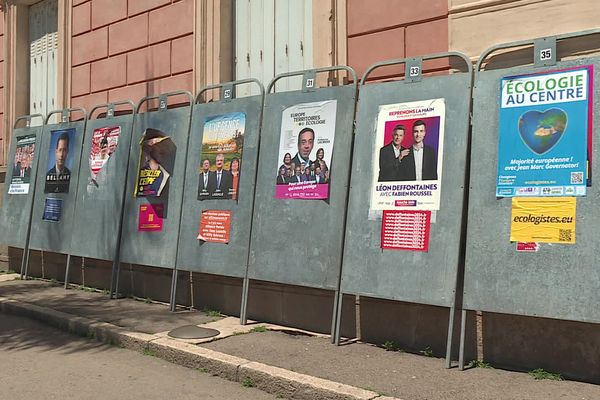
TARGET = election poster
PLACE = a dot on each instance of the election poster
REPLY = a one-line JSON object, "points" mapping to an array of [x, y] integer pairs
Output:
{"points": [[407, 156], [544, 137], [543, 219], [305, 151], [21, 173], [156, 163], [52, 209], [150, 217], [215, 226], [104, 144], [221, 156], [60, 161]]}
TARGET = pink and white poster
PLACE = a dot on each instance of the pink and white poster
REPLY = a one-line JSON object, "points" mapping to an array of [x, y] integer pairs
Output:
{"points": [[305, 151], [104, 144]]}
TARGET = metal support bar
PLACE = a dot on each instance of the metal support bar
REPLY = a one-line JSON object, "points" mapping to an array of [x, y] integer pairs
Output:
{"points": [[244, 306], [450, 335], [172, 301], [338, 319], [68, 267], [461, 351]]}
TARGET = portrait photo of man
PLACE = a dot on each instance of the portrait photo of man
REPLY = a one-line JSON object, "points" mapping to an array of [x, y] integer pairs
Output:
{"points": [[206, 181], [421, 162], [392, 157], [306, 142], [58, 176], [223, 179]]}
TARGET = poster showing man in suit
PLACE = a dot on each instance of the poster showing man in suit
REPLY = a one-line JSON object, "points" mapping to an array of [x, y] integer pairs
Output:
{"points": [[21, 171], [305, 143], [221, 156], [60, 160], [407, 167]]}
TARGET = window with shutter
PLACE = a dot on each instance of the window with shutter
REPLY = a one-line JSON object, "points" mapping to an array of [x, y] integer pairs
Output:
{"points": [[273, 37], [43, 47]]}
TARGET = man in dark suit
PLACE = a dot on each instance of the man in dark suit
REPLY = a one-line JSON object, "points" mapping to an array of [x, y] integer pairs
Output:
{"points": [[206, 181], [306, 142], [59, 176], [298, 177], [421, 163], [392, 157], [223, 179]]}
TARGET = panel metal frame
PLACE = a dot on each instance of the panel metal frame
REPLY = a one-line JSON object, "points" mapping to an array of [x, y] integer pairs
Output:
{"points": [[94, 206], [274, 104], [225, 260], [445, 257], [540, 64], [65, 123], [8, 235], [175, 190]]}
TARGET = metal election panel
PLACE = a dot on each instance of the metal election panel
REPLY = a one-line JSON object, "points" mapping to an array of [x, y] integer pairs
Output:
{"points": [[560, 281], [218, 258], [412, 276], [300, 242], [156, 248], [50, 235], [100, 198], [15, 212]]}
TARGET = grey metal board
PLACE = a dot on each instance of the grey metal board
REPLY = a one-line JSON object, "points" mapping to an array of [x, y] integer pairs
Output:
{"points": [[99, 200], [156, 249], [300, 242], [412, 276], [218, 258], [15, 212], [49, 235], [560, 281]]}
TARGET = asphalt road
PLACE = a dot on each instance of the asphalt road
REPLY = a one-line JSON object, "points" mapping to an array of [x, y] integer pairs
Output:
{"points": [[40, 362]]}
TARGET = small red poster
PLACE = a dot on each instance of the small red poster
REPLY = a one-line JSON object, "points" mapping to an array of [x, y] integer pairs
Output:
{"points": [[214, 226], [528, 247], [151, 217], [405, 230]]}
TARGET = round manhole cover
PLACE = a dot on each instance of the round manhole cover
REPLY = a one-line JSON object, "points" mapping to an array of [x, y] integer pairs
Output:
{"points": [[193, 332]]}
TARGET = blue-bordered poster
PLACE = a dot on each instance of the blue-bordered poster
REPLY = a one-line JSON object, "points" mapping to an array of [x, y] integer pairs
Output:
{"points": [[545, 127]]}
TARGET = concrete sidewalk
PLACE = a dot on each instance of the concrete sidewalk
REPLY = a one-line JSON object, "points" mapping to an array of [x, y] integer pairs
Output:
{"points": [[286, 362]]}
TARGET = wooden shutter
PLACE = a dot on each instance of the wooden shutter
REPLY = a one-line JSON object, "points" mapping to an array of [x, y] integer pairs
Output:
{"points": [[43, 47], [273, 37]]}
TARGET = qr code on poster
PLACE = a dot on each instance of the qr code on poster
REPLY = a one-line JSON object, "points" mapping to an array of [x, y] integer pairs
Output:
{"points": [[576, 177], [564, 235]]}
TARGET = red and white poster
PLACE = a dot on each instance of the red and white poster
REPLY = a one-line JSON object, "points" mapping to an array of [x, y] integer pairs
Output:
{"points": [[405, 230], [528, 247], [104, 144], [215, 226], [151, 217]]}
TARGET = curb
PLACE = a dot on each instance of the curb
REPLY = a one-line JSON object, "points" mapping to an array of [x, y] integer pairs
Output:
{"points": [[265, 377]]}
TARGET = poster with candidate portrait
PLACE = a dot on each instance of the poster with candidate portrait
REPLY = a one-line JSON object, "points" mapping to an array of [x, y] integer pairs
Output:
{"points": [[407, 156], [221, 156], [21, 173], [544, 137], [305, 151], [156, 163], [60, 161], [104, 144]]}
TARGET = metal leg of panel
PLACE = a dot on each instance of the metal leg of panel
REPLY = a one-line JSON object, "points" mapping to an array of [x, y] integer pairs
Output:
{"points": [[449, 342], [243, 307], [461, 351], [113, 279], [173, 304], [338, 319], [24, 261], [68, 267]]}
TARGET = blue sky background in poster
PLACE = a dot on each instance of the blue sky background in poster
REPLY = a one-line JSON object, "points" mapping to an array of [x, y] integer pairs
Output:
{"points": [[543, 133]]}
